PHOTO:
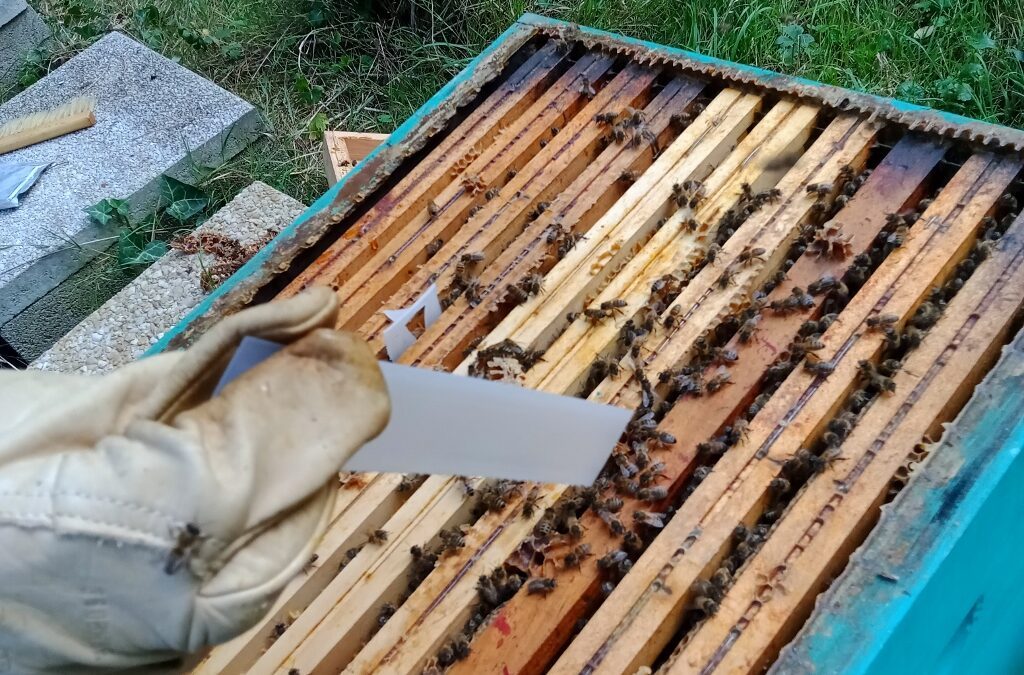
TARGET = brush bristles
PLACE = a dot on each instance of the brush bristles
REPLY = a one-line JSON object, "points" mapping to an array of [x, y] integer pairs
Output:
{"points": [[76, 106]]}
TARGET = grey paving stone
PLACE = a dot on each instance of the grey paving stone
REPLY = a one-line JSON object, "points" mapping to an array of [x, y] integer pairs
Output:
{"points": [[153, 117], [127, 324], [21, 31]]}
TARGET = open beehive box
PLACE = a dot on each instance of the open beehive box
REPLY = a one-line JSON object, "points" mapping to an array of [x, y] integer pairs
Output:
{"points": [[794, 287]]}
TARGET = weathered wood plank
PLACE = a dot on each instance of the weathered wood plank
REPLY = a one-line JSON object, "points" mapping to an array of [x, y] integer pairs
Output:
{"points": [[343, 149], [529, 631], [443, 602], [589, 197], [500, 220], [834, 513], [782, 132], [375, 499], [482, 129], [348, 607], [516, 146], [693, 155], [638, 619], [703, 303]]}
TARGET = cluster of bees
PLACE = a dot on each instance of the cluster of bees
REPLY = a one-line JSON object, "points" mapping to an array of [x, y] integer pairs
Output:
{"points": [[706, 594], [628, 126]]}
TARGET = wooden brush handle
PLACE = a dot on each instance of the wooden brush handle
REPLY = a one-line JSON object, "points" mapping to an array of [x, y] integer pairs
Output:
{"points": [[47, 131]]}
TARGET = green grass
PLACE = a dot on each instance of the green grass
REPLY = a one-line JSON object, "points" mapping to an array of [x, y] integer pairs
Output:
{"points": [[310, 65]]}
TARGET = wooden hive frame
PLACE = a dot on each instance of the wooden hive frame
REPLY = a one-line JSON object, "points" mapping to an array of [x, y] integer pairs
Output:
{"points": [[707, 216]]}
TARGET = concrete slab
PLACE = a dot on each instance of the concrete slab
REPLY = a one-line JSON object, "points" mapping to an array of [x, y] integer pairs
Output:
{"points": [[21, 31], [127, 324], [152, 117]]}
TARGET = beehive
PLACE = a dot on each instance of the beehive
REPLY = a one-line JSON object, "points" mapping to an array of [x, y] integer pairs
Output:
{"points": [[793, 286]]}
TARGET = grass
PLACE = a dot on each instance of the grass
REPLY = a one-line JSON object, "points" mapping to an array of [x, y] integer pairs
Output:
{"points": [[310, 65]]}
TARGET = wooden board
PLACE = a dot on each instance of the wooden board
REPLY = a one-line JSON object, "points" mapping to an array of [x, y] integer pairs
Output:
{"points": [[638, 620], [832, 515], [343, 149], [631, 220], [594, 192], [432, 175], [529, 631], [500, 220], [673, 250]]}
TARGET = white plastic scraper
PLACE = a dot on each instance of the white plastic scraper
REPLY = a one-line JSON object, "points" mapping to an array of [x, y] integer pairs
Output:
{"points": [[454, 425]]}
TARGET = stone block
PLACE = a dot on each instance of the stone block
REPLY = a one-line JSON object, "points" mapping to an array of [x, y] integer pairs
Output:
{"points": [[153, 117], [21, 31], [134, 319]]}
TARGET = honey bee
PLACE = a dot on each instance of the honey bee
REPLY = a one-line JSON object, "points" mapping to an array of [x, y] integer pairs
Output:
{"points": [[531, 501], [650, 519], [608, 117], [748, 328], [652, 494], [820, 189], [880, 322], [688, 193], [433, 247], [187, 540], [728, 274], [310, 564], [897, 237], [611, 520], [377, 537], [452, 539], [541, 586], [811, 343], [492, 193], [925, 316], [387, 610], [672, 319], [823, 285], [614, 306], [870, 374], [532, 284], [712, 252], [748, 255], [586, 88], [629, 176], [595, 316], [705, 605], [721, 378], [433, 209], [820, 368], [779, 486], [576, 557]]}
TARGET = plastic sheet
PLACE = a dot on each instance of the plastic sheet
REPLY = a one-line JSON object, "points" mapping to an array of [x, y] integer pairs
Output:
{"points": [[15, 180]]}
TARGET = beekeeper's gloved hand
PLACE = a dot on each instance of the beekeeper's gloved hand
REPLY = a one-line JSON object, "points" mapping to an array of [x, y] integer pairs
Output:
{"points": [[140, 518]]}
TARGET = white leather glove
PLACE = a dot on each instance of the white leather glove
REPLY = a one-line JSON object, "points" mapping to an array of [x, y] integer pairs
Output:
{"points": [[104, 480]]}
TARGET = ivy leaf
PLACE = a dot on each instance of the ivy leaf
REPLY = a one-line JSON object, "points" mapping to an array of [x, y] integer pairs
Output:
{"points": [[109, 210], [173, 190], [981, 42], [130, 255], [183, 209]]}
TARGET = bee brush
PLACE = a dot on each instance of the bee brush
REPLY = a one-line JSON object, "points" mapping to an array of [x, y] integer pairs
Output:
{"points": [[42, 126]]}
